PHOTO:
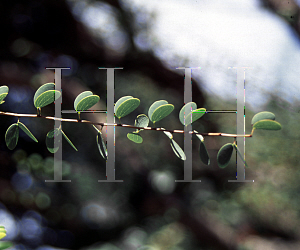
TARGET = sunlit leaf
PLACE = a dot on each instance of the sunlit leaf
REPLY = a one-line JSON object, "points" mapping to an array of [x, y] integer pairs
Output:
{"points": [[262, 116], [194, 115], [126, 105], [27, 131], [2, 234], [177, 150], [5, 244], [154, 106], [85, 100], [185, 110], [169, 134], [141, 121], [161, 112], [135, 137], [2, 96], [101, 145], [68, 140], [50, 140], [45, 95], [12, 136], [267, 125], [4, 89], [224, 155]]}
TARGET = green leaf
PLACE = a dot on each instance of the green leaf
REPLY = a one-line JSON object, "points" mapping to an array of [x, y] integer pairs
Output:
{"points": [[224, 155], [239, 154], [190, 106], [4, 89], [135, 137], [45, 95], [5, 244], [68, 140], [2, 234], [46, 98], [204, 154], [154, 106], [2, 96], [141, 121], [161, 112], [262, 116], [26, 130], [126, 105], [101, 145], [50, 140], [177, 150], [3, 93], [85, 100], [194, 115], [169, 134], [12, 136], [267, 125]]}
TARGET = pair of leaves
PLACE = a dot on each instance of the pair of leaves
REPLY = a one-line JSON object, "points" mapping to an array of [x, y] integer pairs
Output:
{"points": [[159, 110], [225, 153], [101, 144], [141, 121], [12, 134], [85, 100], [125, 105], [50, 139], [3, 93], [45, 95], [189, 113], [265, 120]]}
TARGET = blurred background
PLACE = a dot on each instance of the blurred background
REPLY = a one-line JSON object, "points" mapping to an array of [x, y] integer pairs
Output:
{"points": [[149, 211]]}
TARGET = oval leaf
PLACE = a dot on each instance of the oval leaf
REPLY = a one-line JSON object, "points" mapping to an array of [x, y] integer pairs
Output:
{"points": [[101, 145], [126, 107], [141, 121], [50, 140], [169, 134], [161, 112], [5, 244], [177, 150], [46, 98], [201, 138], [26, 130], [4, 89], [87, 102], [135, 137], [267, 125], [2, 96], [186, 109], [194, 115], [68, 140], [12, 136], [2, 234], [262, 116], [121, 100], [80, 97], [224, 155], [154, 106], [204, 154]]}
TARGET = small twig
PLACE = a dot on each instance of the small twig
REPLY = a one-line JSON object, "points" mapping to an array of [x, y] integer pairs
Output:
{"points": [[119, 125]]}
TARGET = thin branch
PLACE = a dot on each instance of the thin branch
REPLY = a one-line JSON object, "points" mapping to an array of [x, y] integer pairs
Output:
{"points": [[119, 125]]}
